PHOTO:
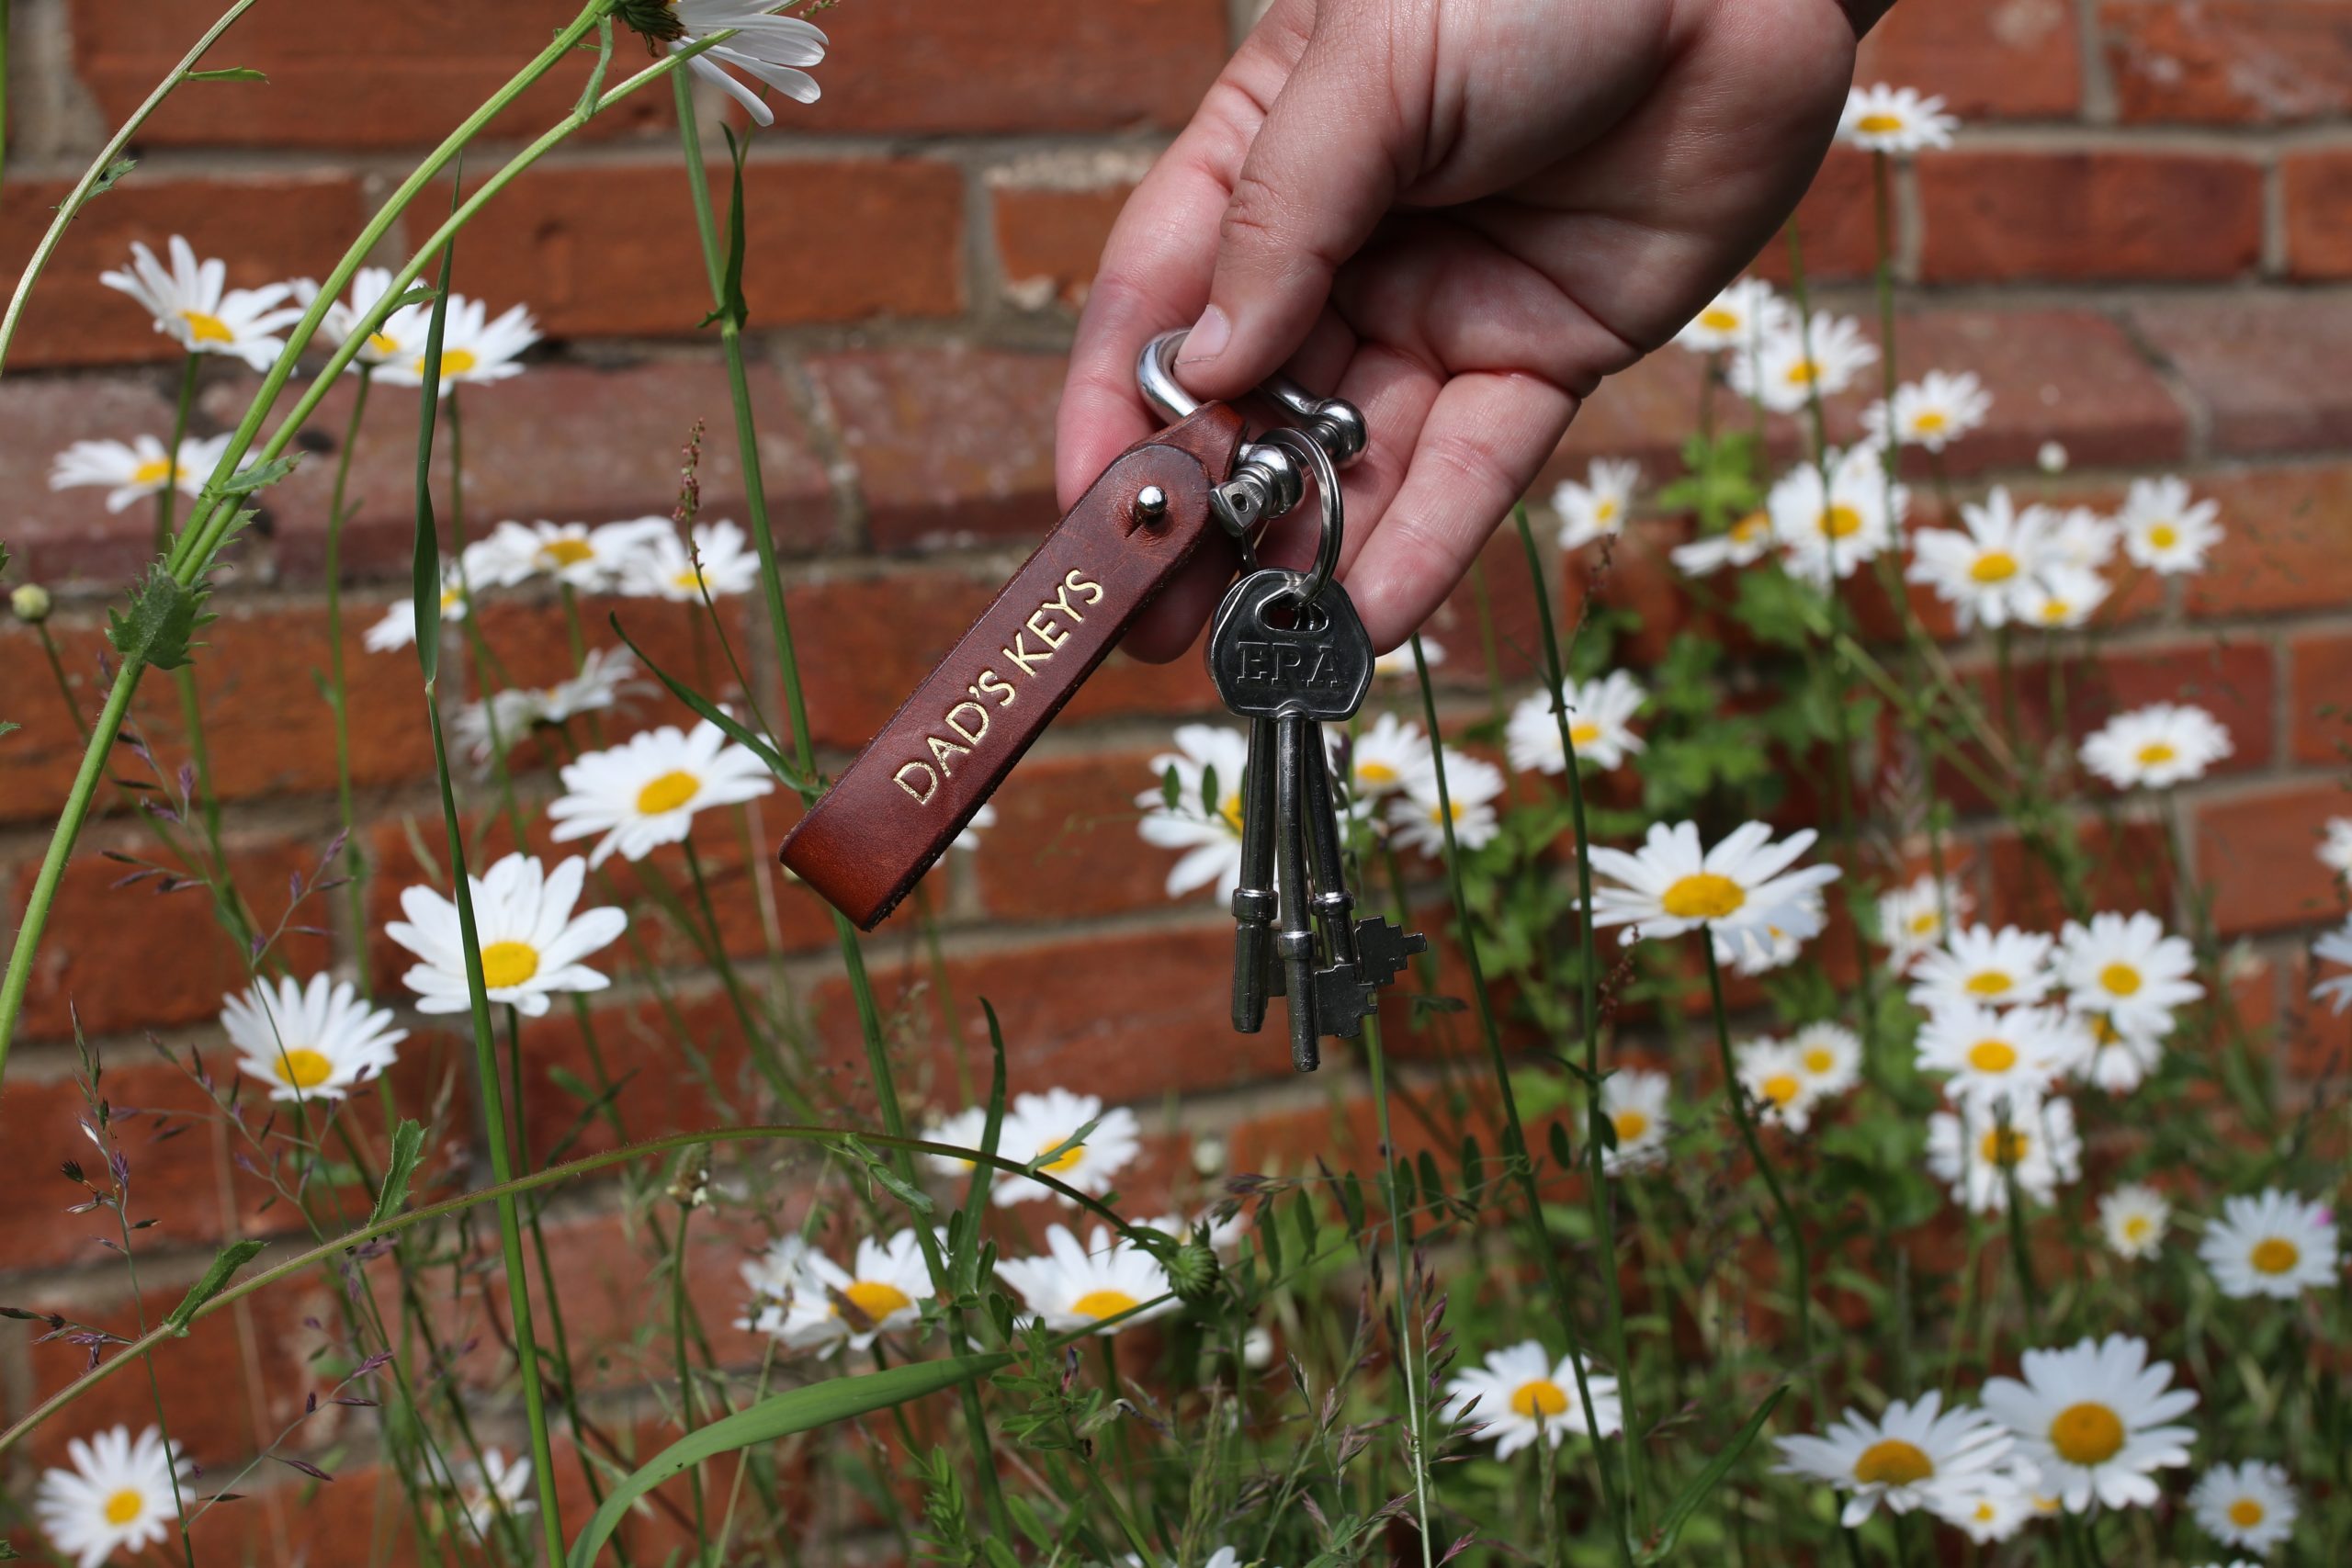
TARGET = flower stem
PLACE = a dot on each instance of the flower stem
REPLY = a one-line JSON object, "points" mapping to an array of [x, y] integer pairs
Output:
{"points": [[1801, 1264], [1416, 1427], [339, 687]]}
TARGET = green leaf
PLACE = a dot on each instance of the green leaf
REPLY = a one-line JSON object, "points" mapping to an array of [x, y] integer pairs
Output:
{"points": [[233, 1257], [106, 180], [801, 1410], [732, 727], [260, 476], [230, 73], [731, 307], [1171, 790], [426, 567], [408, 1143], [163, 616], [889, 1180], [1703, 1483], [595, 88]]}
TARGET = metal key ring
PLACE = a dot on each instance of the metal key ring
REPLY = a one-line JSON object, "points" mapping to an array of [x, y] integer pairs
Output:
{"points": [[1326, 494]]}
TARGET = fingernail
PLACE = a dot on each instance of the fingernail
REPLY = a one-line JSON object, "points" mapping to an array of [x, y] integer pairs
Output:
{"points": [[1208, 339]]}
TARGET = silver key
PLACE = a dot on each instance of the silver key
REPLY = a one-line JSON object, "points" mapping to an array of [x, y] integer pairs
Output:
{"points": [[1254, 899]]}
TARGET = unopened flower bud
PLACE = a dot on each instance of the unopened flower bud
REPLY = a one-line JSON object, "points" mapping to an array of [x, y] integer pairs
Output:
{"points": [[30, 602], [1192, 1272]]}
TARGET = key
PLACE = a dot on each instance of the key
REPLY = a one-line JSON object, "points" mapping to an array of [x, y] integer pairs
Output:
{"points": [[1295, 941], [1253, 900]]}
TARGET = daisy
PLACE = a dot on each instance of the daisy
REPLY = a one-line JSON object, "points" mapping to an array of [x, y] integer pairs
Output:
{"points": [[1045, 1122], [115, 1495], [1745, 543], [2010, 1057], [1828, 531], [2127, 968], [604, 675], [1206, 820], [313, 1042], [1993, 1512], [1520, 1395], [644, 792], [1471, 784], [2335, 846], [882, 1289], [1634, 1100], [968, 839], [136, 471], [1895, 119], [1977, 1152], [1933, 411], [2061, 598], [968, 1129], [1760, 949], [1772, 1077], [1598, 508], [1397, 664], [397, 628], [775, 1279], [1600, 726], [1783, 370], [2250, 1505], [663, 569], [2274, 1244], [1915, 1455], [1744, 312], [2132, 1218], [368, 286], [2163, 531], [591, 560], [1670, 886], [2005, 968], [2334, 947], [1911, 919], [1831, 1056], [2115, 1060], [2081, 538], [2093, 1418], [493, 1489], [1980, 570], [531, 941], [1069, 1287], [474, 348], [192, 304], [498, 722], [767, 48], [2156, 747], [1384, 760]]}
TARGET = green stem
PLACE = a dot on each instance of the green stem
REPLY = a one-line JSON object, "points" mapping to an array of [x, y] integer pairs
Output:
{"points": [[339, 686], [1801, 1264], [1416, 1430]]}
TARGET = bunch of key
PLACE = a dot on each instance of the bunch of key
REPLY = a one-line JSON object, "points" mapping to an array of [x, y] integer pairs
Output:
{"points": [[1290, 655]]}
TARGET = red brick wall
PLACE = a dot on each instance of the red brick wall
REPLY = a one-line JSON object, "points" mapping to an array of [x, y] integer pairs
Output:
{"points": [[2136, 243]]}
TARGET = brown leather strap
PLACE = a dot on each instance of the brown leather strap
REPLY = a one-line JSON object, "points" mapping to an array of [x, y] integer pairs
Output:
{"points": [[917, 783]]}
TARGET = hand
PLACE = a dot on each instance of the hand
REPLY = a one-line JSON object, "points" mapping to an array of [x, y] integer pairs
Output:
{"points": [[1459, 215]]}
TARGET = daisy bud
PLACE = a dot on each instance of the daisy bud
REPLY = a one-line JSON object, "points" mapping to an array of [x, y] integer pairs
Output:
{"points": [[30, 602], [1192, 1268]]}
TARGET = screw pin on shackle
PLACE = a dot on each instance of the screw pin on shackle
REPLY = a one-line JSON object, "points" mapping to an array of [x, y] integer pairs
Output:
{"points": [[1267, 482]]}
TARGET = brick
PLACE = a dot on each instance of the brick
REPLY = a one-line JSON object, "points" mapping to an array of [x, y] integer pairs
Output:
{"points": [[1065, 845], [1992, 216], [2010, 60], [1837, 221], [2256, 860], [63, 538], [1644, 412], [2130, 868], [551, 241], [2263, 367], [904, 66], [2283, 548], [2230, 679], [1047, 241], [663, 1074], [949, 444], [2314, 187], [267, 227], [2228, 61], [340, 74], [2319, 698]]}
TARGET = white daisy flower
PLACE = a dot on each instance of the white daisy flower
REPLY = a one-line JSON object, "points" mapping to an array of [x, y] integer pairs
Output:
{"points": [[2081, 538], [1831, 1056], [2334, 947], [882, 1289], [590, 559], [1976, 1151], [2156, 747], [1745, 543], [2094, 1419], [1600, 726], [1671, 886], [2273, 1244], [532, 943], [2061, 598], [773, 1279], [2335, 849], [494, 1488], [2251, 1504], [1911, 919], [2132, 1218], [1933, 411], [1783, 370], [1397, 664], [1519, 1395], [474, 347], [193, 305], [2116, 1060], [1884, 118], [2051, 457], [1776, 1082], [397, 628], [1382, 761], [2005, 968], [1596, 509], [1744, 312], [1070, 1287], [137, 470], [309, 1042], [1046, 1121], [2164, 531], [662, 568], [1829, 532], [1996, 1509], [644, 792], [969, 1129], [1205, 822], [1760, 949], [1472, 783], [115, 1496], [497, 723], [1915, 1455], [2010, 1057], [2126, 968], [766, 48], [368, 286], [1634, 1099], [969, 840], [1980, 570]]}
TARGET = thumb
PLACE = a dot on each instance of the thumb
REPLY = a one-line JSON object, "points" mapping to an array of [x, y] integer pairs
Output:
{"points": [[1321, 171]]}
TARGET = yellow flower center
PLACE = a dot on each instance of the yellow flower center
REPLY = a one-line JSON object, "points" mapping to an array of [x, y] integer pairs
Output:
{"points": [[1988, 982], [1993, 566], [1923, 924], [1100, 1304], [2086, 1434], [877, 1299], [451, 597], [1750, 528], [2104, 1032], [689, 580], [1231, 811], [2002, 1145], [1819, 1059], [1992, 1055], [1605, 510], [1714, 318], [2156, 752], [1377, 774], [2273, 1254], [1879, 123], [1629, 1124], [1929, 422], [1066, 1160], [1702, 895], [153, 472], [1802, 372], [202, 328], [1539, 1400], [2055, 610], [568, 552], [2120, 979], [383, 345], [1840, 522], [1781, 1089], [1583, 733], [125, 1505], [454, 362], [1985, 1511], [2246, 1513], [667, 793], [303, 1068], [506, 964], [2164, 535], [2137, 1227], [1891, 1461]]}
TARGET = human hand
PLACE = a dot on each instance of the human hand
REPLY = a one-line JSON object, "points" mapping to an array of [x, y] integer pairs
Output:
{"points": [[1459, 215]]}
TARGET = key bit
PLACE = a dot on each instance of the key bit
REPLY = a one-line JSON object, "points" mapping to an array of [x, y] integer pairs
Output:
{"points": [[1381, 949], [1343, 1001]]}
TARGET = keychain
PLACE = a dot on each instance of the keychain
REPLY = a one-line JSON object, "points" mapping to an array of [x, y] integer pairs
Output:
{"points": [[1286, 649]]}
